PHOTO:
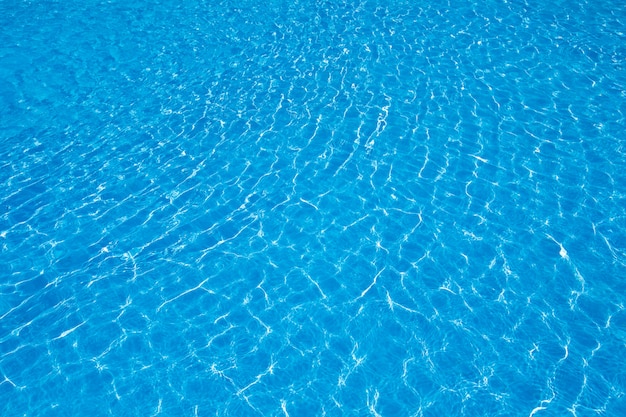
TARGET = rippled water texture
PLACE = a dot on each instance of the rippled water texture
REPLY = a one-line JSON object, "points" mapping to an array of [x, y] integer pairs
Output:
{"points": [[312, 208]]}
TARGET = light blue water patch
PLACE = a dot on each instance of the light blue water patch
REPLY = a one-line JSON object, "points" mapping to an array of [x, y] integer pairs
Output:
{"points": [[312, 208]]}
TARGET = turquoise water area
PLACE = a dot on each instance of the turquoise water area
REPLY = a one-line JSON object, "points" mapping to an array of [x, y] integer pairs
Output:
{"points": [[308, 208]]}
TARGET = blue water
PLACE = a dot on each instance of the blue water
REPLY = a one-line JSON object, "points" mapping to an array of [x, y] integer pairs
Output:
{"points": [[307, 208]]}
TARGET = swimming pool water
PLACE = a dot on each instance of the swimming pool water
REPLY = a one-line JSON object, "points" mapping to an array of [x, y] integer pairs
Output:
{"points": [[305, 208]]}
